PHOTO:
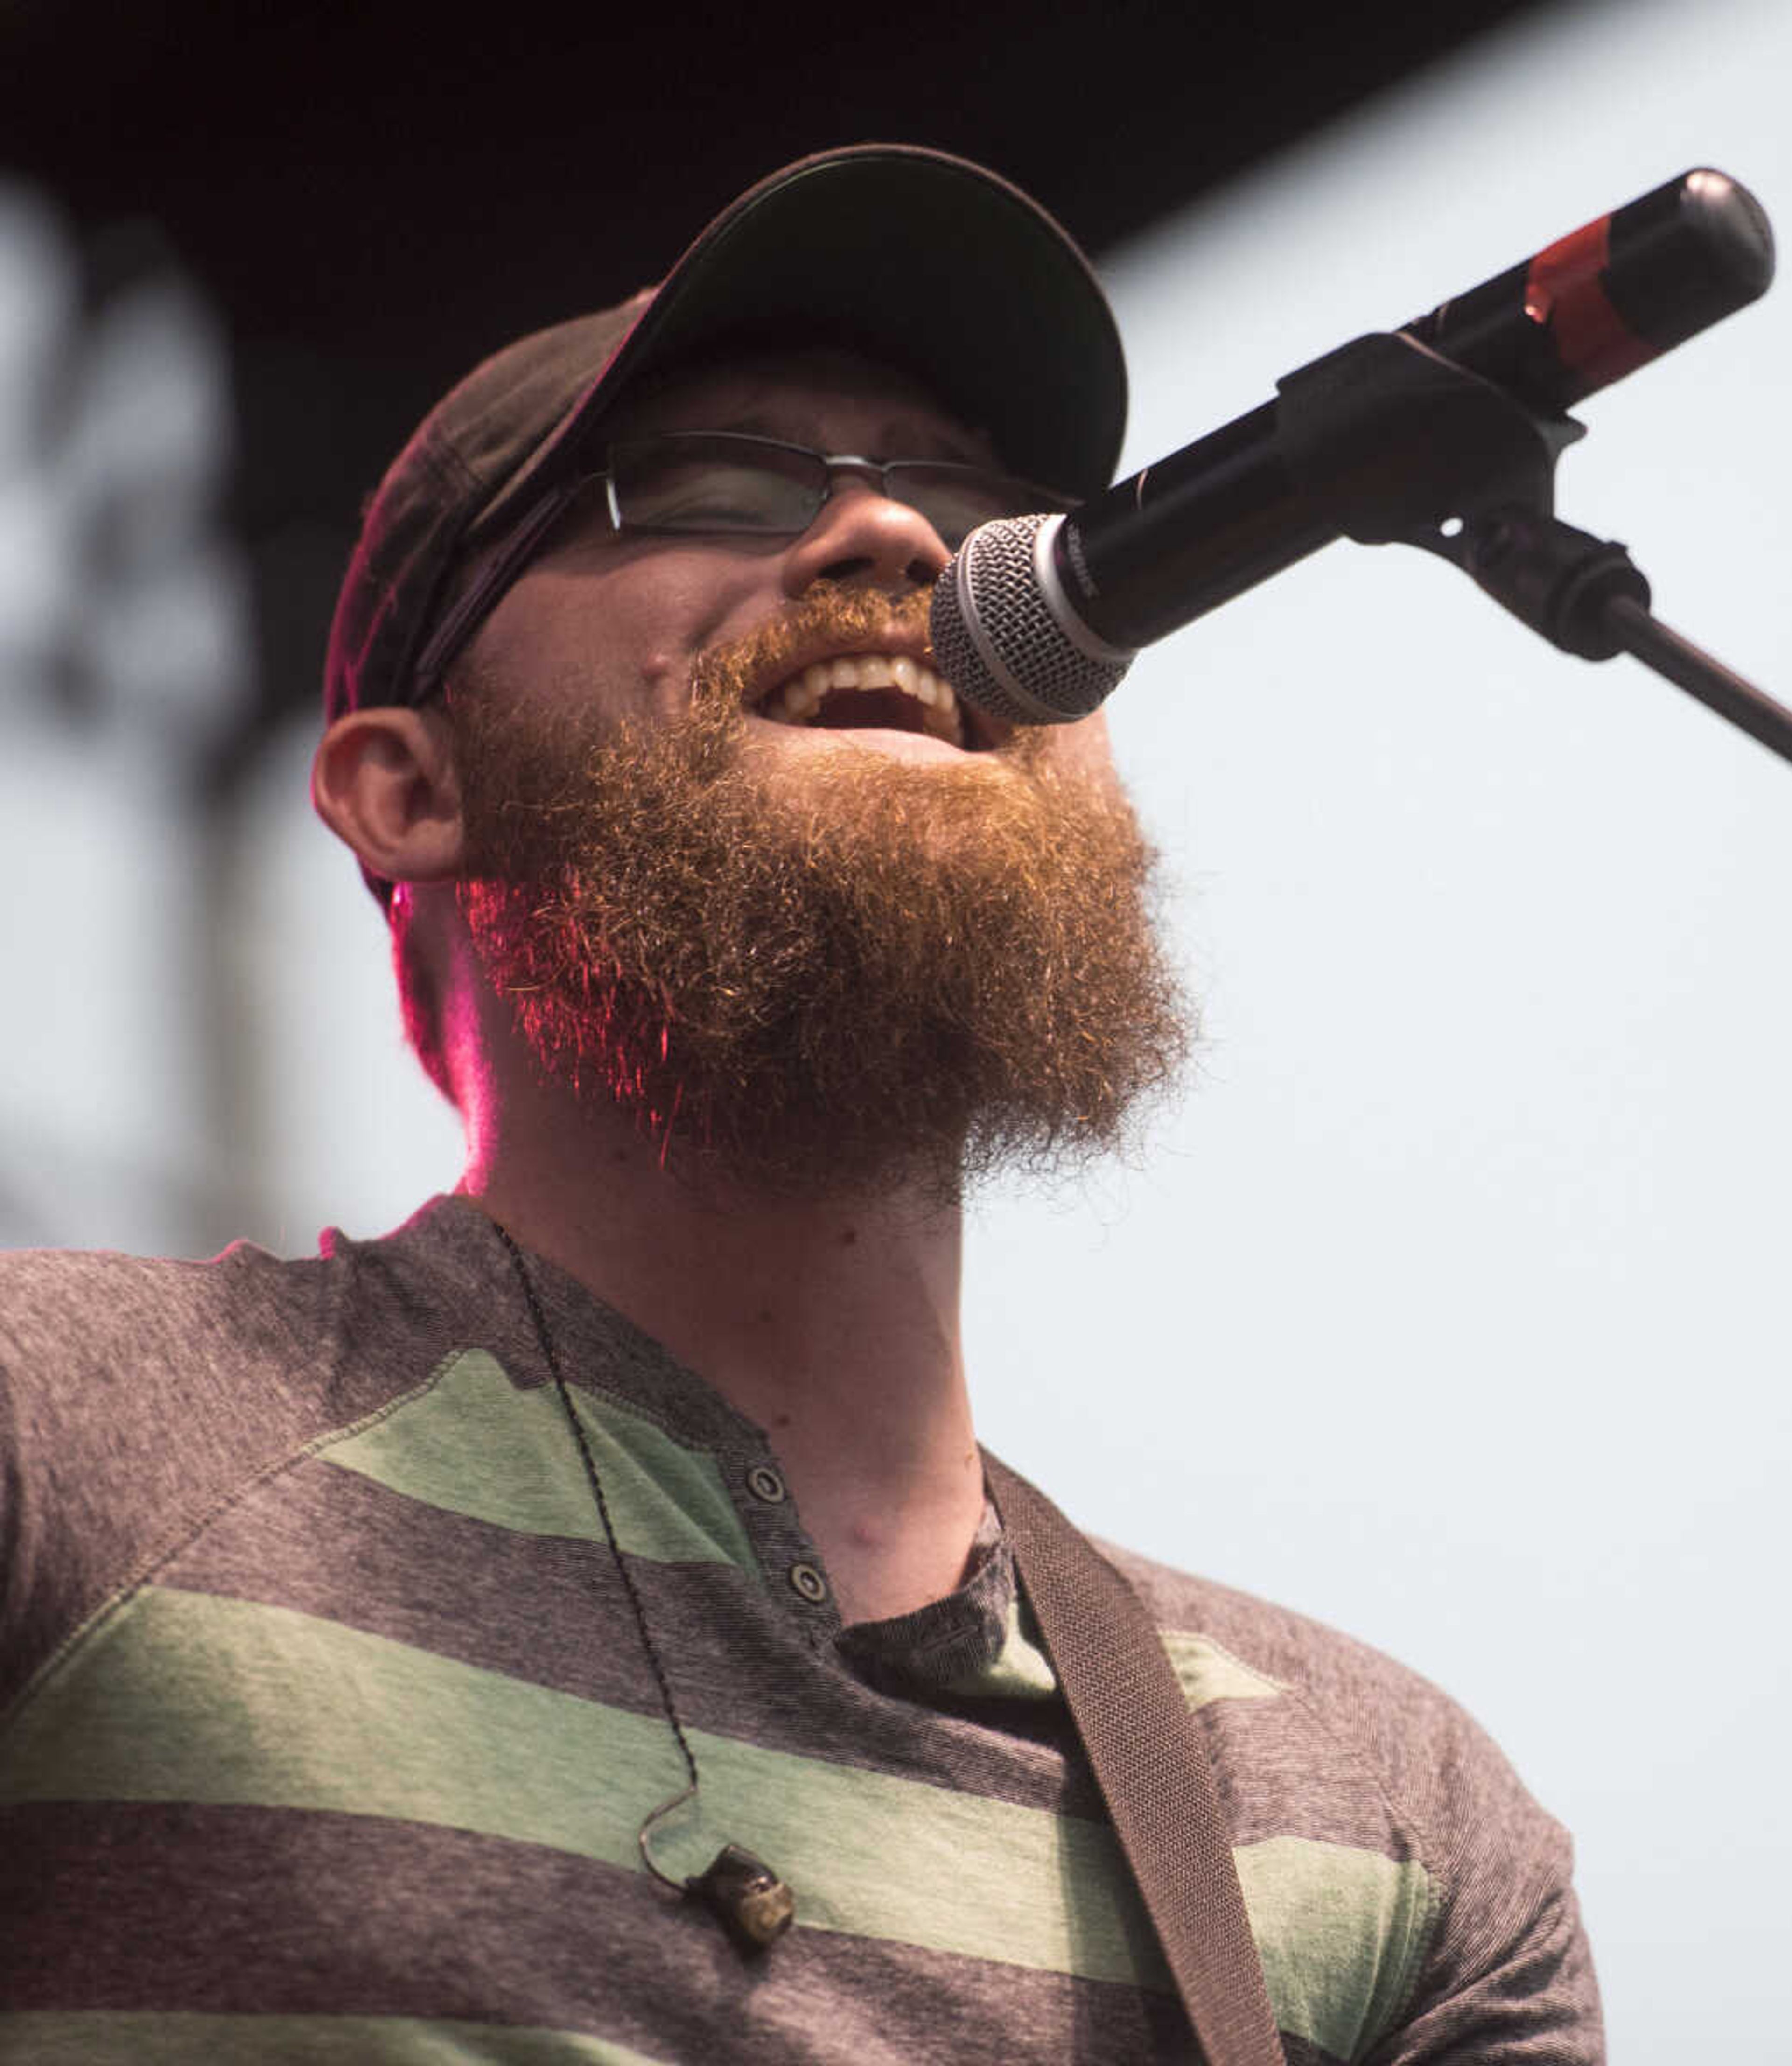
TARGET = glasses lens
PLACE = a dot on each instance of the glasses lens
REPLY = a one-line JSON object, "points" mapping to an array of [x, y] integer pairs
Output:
{"points": [[956, 499], [714, 484]]}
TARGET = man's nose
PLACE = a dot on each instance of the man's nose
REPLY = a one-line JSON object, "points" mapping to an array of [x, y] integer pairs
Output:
{"points": [[862, 537]]}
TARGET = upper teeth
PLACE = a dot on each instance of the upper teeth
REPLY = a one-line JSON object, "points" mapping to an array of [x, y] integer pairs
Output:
{"points": [[797, 701]]}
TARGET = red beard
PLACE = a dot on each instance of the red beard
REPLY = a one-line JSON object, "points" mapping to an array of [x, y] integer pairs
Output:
{"points": [[813, 976]]}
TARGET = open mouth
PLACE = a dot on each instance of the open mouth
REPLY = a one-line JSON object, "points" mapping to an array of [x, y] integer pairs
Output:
{"points": [[885, 691]]}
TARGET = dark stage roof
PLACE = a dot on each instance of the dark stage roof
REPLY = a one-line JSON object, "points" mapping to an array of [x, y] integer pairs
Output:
{"points": [[375, 196]]}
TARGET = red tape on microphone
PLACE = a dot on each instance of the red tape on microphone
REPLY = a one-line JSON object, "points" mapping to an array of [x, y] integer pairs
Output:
{"points": [[1564, 289]]}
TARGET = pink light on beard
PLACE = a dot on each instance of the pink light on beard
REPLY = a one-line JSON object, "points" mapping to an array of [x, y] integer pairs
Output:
{"points": [[838, 972]]}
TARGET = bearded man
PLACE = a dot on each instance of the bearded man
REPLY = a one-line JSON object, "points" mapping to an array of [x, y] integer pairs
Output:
{"points": [[391, 1637]]}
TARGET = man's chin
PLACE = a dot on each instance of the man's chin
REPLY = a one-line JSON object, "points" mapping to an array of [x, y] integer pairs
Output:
{"points": [[808, 960]]}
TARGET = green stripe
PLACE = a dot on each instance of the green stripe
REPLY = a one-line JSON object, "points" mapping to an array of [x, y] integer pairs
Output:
{"points": [[1341, 1933], [472, 1443], [186, 1696], [1209, 1673], [111, 2037]]}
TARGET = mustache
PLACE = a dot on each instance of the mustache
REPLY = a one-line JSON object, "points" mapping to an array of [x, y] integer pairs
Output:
{"points": [[728, 673]]}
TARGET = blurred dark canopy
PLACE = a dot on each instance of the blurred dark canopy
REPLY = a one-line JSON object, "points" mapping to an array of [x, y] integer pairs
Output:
{"points": [[375, 195]]}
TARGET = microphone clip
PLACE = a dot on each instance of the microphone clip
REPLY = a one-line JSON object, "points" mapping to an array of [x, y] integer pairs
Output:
{"points": [[1390, 442], [1387, 441]]}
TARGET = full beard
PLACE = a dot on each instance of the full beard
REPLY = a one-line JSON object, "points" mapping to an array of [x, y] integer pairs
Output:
{"points": [[816, 972]]}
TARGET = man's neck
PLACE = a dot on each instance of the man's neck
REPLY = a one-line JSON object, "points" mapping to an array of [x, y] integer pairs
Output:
{"points": [[831, 1322]]}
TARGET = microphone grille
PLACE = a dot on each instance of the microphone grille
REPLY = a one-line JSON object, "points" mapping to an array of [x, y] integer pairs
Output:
{"points": [[994, 636]]}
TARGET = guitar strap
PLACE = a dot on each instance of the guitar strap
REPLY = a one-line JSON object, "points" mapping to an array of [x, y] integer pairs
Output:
{"points": [[1152, 1767]]}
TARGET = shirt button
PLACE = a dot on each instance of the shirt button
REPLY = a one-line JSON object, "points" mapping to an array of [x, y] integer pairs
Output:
{"points": [[805, 1579], [764, 1483]]}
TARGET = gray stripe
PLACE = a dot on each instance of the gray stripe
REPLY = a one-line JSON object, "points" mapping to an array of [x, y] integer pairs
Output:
{"points": [[122, 2037], [334, 1543], [272, 1708], [337, 1545], [1286, 1778], [237, 1910]]}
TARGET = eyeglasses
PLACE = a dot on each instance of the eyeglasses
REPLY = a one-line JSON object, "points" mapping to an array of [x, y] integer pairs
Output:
{"points": [[719, 483], [726, 484]]}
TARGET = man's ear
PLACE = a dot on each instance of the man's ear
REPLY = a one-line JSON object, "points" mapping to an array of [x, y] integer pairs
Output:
{"points": [[384, 782]]}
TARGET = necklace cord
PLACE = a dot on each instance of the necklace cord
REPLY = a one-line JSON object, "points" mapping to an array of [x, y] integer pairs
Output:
{"points": [[545, 1338]]}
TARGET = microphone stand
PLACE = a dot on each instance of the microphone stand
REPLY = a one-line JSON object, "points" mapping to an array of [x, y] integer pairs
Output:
{"points": [[1391, 444]]}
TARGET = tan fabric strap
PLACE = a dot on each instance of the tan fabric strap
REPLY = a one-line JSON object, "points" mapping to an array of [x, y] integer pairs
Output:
{"points": [[1152, 1767]]}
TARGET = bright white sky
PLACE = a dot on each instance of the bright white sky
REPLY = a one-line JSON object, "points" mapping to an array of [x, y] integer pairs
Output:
{"points": [[1452, 1309], [1450, 1306]]}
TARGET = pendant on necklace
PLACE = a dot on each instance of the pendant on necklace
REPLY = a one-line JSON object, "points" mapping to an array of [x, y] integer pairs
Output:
{"points": [[752, 1904]]}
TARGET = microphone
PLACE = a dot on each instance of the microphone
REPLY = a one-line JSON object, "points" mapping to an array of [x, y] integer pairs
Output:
{"points": [[1036, 619]]}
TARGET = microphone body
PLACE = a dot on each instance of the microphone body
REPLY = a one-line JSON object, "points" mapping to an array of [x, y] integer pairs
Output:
{"points": [[1037, 618]]}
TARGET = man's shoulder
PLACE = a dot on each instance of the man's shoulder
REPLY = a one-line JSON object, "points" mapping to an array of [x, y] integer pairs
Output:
{"points": [[1384, 1841], [1282, 1685], [1280, 1646], [45, 1281], [70, 1314], [67, 1312], [107, 1360], [140, 1395]]}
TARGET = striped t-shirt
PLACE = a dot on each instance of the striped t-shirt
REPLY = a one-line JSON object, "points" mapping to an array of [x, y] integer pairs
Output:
{"points": [[327, 1727]]}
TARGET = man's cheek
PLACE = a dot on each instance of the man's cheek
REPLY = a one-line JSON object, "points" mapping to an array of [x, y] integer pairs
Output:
{"points": [[665, 683]]}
